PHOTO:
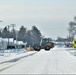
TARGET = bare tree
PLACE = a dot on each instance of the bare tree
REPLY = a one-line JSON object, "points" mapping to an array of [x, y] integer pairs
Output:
{"points": [[72, 29]]}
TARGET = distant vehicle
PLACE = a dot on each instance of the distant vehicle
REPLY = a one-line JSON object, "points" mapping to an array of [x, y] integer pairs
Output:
{"points": [[44, 44], [15, 46], [69, 45], [11, 47]]}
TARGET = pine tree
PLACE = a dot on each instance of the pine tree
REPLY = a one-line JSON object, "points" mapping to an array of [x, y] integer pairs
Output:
{"points": [[36, 35], [5, 33], [22, 34], [0, 33]]}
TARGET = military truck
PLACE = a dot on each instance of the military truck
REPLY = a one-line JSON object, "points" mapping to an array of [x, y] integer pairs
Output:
{"points": [[44, 44]]}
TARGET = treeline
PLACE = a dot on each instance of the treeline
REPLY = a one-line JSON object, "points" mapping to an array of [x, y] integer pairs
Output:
{"points": [[32, 36]]}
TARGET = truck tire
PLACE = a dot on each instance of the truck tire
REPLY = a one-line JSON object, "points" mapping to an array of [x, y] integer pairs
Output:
{"points": [[37, 48], [47, 48]]}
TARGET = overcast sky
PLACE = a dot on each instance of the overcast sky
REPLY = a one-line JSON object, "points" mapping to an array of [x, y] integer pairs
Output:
{"points": [[50, 16]]}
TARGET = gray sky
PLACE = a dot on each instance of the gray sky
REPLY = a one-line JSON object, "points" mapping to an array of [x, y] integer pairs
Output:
{"points": [[50, 16]]}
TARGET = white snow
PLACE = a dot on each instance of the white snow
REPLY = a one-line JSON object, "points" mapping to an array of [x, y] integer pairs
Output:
{"points": [[7, 55], [55, 61], [11, 52]]}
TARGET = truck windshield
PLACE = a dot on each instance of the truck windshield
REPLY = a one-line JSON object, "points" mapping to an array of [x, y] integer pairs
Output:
{"points": [[45, 40]]}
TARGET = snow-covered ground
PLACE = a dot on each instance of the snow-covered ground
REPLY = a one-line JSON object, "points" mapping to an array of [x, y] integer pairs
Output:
{"points": [[56, 61], [72, 51], [11, 52], [7, 55]]}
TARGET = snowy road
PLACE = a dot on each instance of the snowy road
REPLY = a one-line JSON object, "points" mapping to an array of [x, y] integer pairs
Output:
{"points": [[55, 61]]}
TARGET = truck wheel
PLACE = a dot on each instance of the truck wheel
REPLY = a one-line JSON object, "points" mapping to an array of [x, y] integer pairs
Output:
{"points": [[37, 48], [47, 48]]}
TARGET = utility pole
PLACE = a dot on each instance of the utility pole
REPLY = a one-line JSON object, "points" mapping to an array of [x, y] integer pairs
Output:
{"points": [[16, 37], [13, 25], [0, 36], [8, 35], [0, 29]]}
